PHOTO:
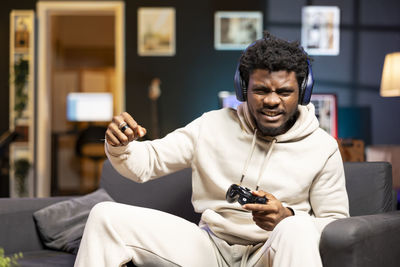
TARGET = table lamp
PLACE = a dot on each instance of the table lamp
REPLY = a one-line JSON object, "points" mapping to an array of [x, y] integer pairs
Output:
{"points": [[390, 84]]}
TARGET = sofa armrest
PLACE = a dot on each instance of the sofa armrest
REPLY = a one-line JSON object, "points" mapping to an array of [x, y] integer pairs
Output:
{"points": [[367, 241], [17, 227]]}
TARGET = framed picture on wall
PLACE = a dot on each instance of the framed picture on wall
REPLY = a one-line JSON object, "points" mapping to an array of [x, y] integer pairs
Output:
{"points": [[156, 31], [320, 30], [326, 112], [236, 30]]}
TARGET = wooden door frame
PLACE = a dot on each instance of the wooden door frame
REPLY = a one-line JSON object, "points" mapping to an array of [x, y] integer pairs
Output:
{"points": [[43, 119]]}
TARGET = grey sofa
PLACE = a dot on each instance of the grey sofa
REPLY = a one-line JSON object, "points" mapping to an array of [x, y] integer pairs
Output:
{"points": [[370, 238]]}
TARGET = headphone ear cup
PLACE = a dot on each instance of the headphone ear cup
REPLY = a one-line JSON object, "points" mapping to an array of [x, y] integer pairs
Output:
{"points": [[238, 82], [307, 86], [240, 87]]}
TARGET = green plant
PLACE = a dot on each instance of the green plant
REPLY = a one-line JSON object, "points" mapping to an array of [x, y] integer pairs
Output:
{"points": [[21, 71], [21, 168], [11, 261]]}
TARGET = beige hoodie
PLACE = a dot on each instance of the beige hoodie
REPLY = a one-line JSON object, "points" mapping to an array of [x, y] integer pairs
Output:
{"points": [[304, 169]]}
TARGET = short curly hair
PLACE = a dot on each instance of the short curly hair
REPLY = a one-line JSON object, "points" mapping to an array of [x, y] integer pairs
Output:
{"points": [[274, 54]]}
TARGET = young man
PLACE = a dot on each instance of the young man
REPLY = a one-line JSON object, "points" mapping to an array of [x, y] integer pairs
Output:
{"points": [[272, 144]]}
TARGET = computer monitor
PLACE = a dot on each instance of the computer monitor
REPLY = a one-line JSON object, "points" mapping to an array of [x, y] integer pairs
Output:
{"points": [[228, 100], [89, 107]]}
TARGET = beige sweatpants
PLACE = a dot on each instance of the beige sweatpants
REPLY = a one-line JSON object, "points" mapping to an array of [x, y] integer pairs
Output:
{"points": [[117, 233]]}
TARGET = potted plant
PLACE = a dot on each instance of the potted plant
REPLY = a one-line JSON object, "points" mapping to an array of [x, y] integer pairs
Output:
{"points": [[11, 261], [21, 72], [21, 169]]}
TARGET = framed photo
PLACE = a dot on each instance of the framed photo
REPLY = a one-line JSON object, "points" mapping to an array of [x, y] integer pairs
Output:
{"points": [[21, 171], [156, 31], [326, 112], [236, 30], [320, 30]]}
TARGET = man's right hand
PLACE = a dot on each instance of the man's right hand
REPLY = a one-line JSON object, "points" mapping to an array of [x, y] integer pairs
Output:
{"points": [[118, 135]]}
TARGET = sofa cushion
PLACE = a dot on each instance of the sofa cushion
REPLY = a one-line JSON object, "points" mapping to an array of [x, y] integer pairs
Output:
{"points": [[173, 191], [18, 231], [369, 187], [61, 225]]}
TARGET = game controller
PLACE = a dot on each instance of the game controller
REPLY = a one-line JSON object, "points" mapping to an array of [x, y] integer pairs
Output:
{"points": [[243, 195]]}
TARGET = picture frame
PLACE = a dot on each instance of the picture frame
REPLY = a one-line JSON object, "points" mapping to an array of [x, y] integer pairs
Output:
{"points": [[320, 33], [156, 31], [326, 112], [21, 170], [236, 30]]}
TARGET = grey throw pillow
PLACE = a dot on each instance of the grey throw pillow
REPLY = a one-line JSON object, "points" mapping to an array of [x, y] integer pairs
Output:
{"points": [[61, 225]]}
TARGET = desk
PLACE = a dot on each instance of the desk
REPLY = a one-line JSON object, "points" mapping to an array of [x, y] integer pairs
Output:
{"points": [[389, 153]]}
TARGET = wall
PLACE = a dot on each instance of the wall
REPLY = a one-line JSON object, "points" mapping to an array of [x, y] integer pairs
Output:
{"points": [[369, 30], [192, 78]]}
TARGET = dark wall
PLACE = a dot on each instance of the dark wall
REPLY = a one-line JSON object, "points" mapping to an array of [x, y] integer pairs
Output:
{"points": [[192, 78], [368, 31]]}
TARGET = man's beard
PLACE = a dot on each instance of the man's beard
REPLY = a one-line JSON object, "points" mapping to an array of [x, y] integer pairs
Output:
{"points": [[274, 131]]}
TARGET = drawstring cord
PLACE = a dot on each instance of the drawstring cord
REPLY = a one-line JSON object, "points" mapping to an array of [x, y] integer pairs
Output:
{"points": [[263, 165], [245, 256], [246, 164]]}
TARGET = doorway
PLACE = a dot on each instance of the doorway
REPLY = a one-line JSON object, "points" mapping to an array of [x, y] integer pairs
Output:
{"points": [[80, 50]]}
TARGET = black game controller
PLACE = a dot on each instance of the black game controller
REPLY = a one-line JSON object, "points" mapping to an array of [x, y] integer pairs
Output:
{"points": [[243, 195]]}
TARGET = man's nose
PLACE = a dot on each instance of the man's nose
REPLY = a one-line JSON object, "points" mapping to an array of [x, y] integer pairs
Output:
{"points": [[272, 99]]}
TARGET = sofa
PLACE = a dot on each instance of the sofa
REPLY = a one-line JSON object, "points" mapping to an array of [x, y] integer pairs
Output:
{"points": [[369, 238]]}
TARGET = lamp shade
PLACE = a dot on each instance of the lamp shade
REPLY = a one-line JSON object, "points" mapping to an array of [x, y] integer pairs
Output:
{"points": [[390, 84]]}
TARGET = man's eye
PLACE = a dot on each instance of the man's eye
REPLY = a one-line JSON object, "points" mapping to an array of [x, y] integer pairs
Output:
{"points": [[259, 91], [285, 93]]}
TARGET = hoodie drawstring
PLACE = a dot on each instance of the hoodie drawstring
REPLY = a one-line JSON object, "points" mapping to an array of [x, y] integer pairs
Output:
{"points": [[245, 256], [246, 164], [263, 165]]}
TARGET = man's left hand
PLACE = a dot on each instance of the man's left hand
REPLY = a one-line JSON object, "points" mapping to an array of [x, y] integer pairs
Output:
{"points": [[268, 215]]}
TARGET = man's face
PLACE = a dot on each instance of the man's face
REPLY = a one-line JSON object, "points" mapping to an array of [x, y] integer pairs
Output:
{"points": [[272, 98]]}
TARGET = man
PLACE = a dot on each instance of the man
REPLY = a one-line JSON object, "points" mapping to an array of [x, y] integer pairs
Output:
{"points": [[272, 144]]}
